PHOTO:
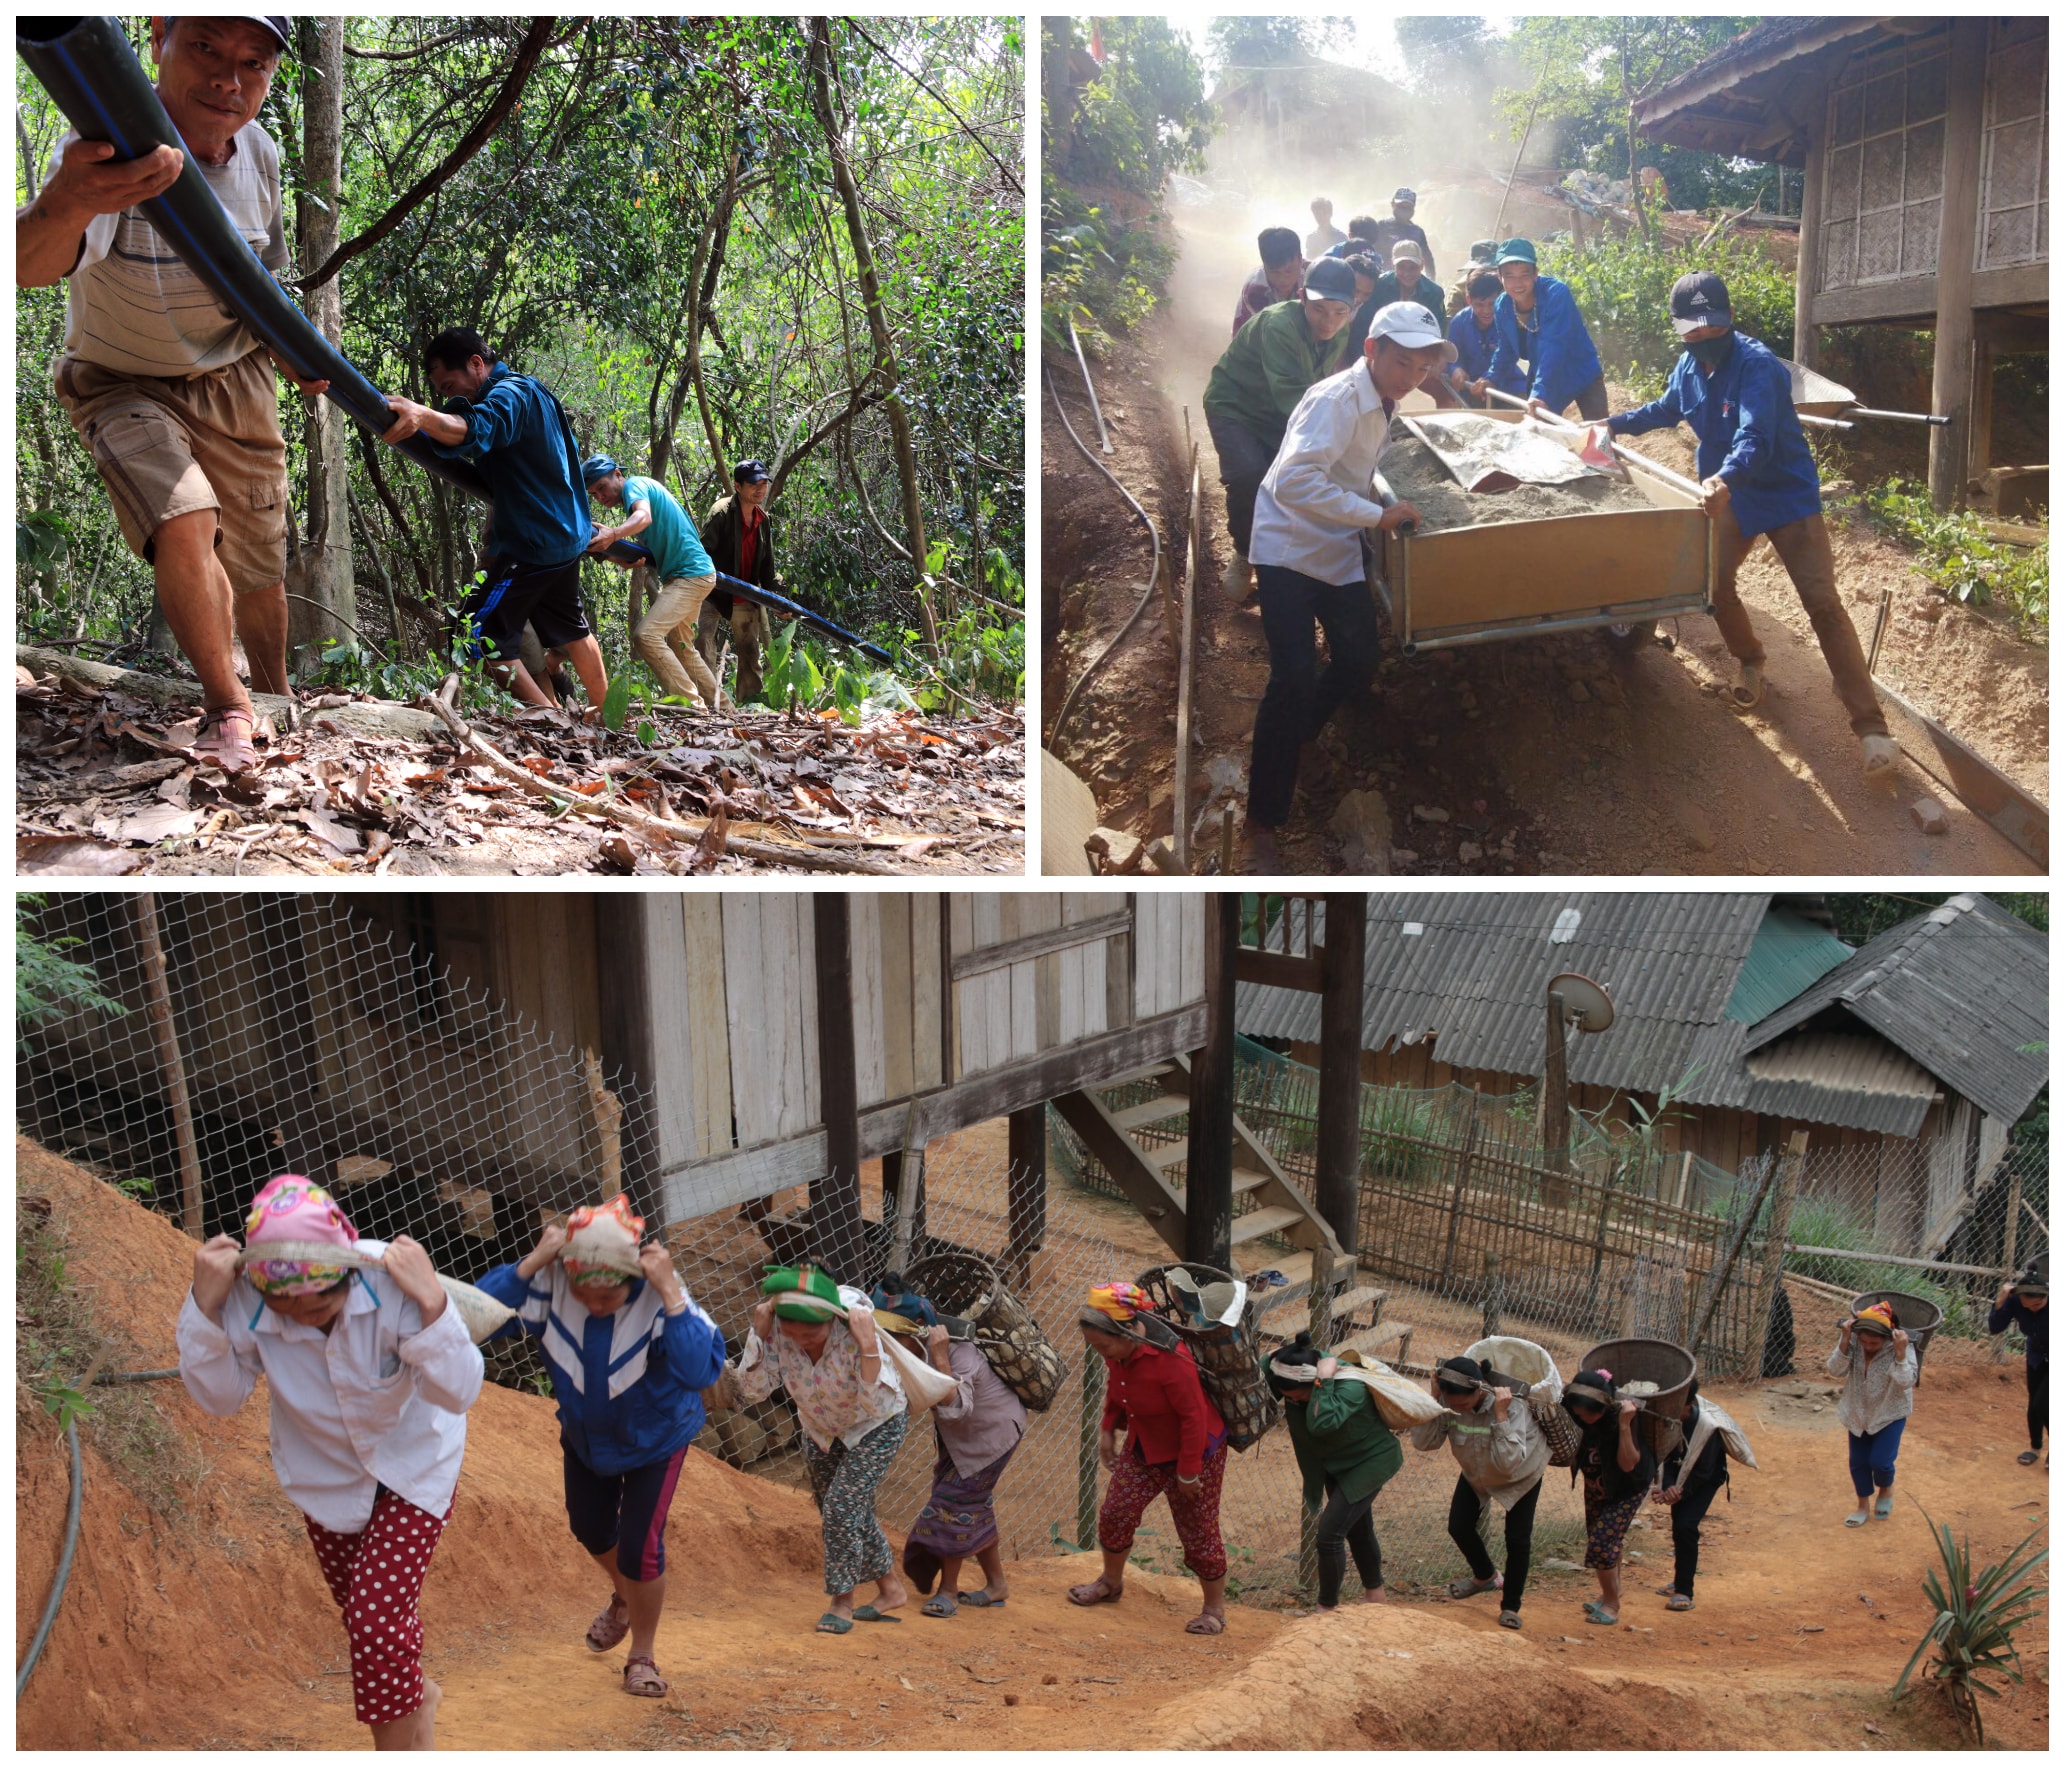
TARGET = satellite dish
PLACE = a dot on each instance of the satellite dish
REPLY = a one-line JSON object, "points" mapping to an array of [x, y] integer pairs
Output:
{"points": [[1589, 1006]]}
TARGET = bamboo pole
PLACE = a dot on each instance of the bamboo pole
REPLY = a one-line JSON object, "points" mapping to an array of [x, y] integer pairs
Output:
{"points": [[1790, 1170], [1455, 1201], [167, 1034], [1494, 1295], [1718, 1284], [2010, 1238]]}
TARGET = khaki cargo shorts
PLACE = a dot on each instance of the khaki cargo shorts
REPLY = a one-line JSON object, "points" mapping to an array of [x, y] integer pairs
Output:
{"points": [[166, 448]]}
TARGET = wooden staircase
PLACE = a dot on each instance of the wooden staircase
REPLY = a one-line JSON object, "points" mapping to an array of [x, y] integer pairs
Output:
{"points": [[1112, 1132]]}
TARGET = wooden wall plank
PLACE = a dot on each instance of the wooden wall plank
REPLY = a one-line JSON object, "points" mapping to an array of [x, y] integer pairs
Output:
{"points": [[709, 1033], [1025, 1014], [928, 1000], [1147, 926], [1191, 946], [870, 1054], [1047, 999], [893, 911]]}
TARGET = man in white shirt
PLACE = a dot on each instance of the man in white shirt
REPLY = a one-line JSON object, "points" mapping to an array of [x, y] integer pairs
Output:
{"points": [[170, 393], [1310, 514], [1324, 235]]}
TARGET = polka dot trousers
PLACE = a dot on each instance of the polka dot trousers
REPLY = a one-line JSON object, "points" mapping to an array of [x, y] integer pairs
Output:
{"points": [[376, 1577]]}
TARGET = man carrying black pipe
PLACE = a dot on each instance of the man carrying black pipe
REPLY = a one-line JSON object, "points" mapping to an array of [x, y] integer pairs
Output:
{"points": [[739, 535], [169, 393], [513, 428]]}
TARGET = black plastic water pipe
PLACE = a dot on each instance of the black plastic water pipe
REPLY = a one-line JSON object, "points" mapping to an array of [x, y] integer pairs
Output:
{"points": [[89, 69], [630, 552]]}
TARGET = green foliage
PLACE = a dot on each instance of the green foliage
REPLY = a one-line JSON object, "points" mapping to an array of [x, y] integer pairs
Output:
{"points": [[47, 984], [1623, 288], [617, 702], [1851, 1263], [1142, 117], [1977, 1617], [1861, 918], [1399, 1132], [570, 240], [64, 1402], [1098, 270], [1961, 558]]}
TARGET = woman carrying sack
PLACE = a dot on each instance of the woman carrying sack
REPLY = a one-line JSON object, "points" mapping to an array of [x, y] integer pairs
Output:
{"points": [[1346, 1452], [1175, 1447], [628, 1353], [1618, 1468], [1689, 1480], [979, 1429], [1880, 1370], [369, 1376], [818, 1341], [1502, 1454]]}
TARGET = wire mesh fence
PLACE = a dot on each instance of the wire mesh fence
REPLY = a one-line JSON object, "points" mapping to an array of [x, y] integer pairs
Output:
{"points": [[245, 1035]]}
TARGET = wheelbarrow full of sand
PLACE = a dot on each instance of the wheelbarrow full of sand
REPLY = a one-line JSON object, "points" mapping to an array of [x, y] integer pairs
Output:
{"points": [[1639, 550]]}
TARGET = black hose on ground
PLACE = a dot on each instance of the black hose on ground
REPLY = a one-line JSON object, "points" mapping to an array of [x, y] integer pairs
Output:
{"points": [[1154, 574], [64, 1562], [89, 69], [111, 1379]]}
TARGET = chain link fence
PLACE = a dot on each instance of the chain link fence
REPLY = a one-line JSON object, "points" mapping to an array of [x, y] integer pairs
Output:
{"points": [[245, 1035]]}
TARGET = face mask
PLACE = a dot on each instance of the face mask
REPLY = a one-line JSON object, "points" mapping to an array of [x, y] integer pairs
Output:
{"points": [[1711, 350]]}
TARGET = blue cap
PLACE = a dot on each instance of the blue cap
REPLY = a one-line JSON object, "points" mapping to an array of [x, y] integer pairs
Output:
{"points": [[1517, 251], [1330, 280], [597, 466]]}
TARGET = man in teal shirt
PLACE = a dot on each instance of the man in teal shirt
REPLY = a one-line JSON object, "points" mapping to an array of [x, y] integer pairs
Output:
{"points": [[682, 569]]}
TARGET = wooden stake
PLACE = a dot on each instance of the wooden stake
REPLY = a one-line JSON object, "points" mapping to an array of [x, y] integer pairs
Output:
{"points": [[2009, 1240], [609, 1127], [1794, 1165], [166, 1032]]}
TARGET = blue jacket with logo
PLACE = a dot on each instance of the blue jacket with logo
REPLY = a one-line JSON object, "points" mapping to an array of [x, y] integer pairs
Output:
{"points": [[629, 1384], [1565, 359], [1474, 348], [520, 439], [1749, 434]]}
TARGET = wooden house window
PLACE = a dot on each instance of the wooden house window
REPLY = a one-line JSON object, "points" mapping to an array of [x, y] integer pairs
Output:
{"points": [[1883, 201], [2014, 203]]}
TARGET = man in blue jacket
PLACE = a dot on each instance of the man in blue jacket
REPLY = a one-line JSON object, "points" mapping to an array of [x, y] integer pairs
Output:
{"points": [[1475, 333], [513, 428], [1544, 350], [629, 1354], [1758, 478]]}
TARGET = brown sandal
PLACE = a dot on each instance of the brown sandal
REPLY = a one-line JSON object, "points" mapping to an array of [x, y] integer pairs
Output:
{"points": [[642, 1677], [1104, 1592], [611, 1626], [225, 739]]}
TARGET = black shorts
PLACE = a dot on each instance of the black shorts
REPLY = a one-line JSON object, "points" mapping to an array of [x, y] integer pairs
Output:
{"points": [[548, 597]]}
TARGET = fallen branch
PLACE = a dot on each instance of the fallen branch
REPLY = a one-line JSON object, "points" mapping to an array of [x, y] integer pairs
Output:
{"points": [[663, 828]]}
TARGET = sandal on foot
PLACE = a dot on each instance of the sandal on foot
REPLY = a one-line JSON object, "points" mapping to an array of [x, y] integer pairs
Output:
{"points": [[1509, 1619], [1465, 1587], [225, 739], [1884, 1507], [1091, 1594], [983, 1598], [1679, 1604], [1857, 1518], [1668, 1589], [2026, 1459], [642, 1677], [941, 1607], [831, 1622], [1595, 1615], [871, 1612], [1206, 1625], [610, 1626], [1748, 691]]}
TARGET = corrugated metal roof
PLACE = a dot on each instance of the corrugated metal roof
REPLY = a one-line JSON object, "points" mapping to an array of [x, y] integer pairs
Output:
{"points": [[1788, 956], [1850, 1078], [1474, 976], [1964, 990]]}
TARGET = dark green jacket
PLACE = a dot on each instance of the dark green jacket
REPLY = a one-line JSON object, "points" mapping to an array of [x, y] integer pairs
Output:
{"points": [[1268, 366], [1340, 1439], [1426, 291]]}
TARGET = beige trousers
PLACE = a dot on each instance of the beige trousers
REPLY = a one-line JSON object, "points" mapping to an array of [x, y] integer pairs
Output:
{"points": [[666, 636]]}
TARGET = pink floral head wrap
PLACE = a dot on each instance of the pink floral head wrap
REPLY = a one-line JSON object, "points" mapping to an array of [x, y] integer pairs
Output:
{"points": [[291, 1210], [602, 1243]]}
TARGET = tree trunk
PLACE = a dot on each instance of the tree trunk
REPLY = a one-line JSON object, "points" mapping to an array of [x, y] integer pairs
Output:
{"points": [[1627, 98], [878, 320], [323, 572]]}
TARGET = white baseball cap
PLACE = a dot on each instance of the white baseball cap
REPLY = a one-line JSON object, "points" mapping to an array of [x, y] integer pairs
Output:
{"points": [[1409, 324], [1407, 250]]}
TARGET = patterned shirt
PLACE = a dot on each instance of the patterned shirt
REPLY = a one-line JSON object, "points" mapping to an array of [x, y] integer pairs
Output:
{"points": [[829, 1397], [134, 307]]}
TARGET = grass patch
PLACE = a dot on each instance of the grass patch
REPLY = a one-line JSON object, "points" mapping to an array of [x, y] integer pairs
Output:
{"points": [[58, 1344], [1821, 1221], [1959, 556]]}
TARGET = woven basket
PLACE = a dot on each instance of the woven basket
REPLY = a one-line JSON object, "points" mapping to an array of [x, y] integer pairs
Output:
{"points": [[1010, 1338], [1229, 1357], [1669, 1365], [1915, 1316]]}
